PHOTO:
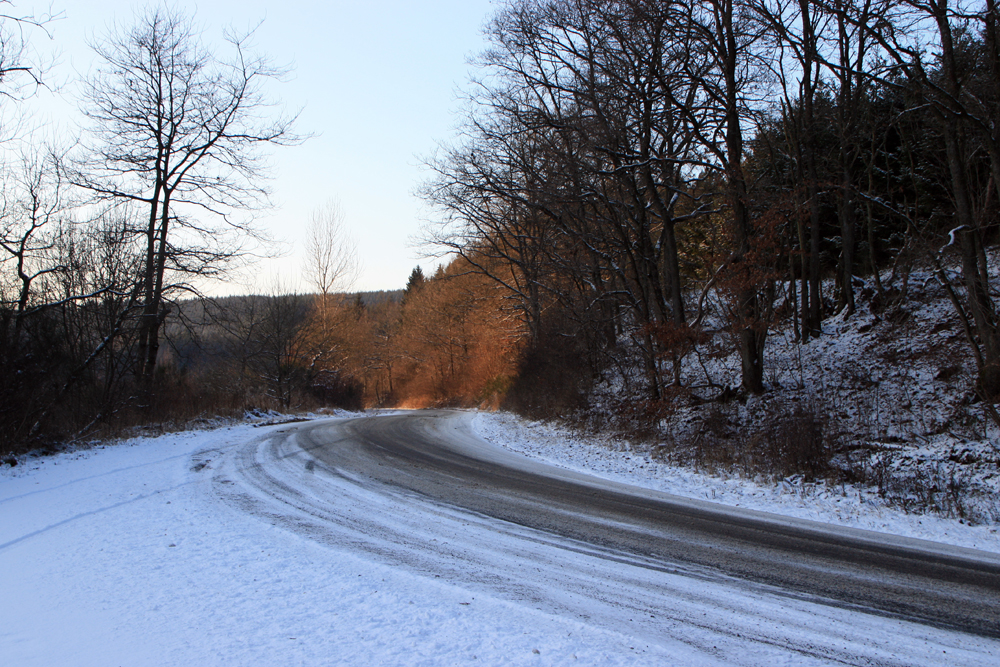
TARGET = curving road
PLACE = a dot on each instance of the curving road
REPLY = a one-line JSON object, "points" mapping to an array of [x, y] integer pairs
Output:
{"points": [[420, 491]]}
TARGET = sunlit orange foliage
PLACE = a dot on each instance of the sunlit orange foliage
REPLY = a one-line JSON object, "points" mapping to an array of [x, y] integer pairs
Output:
{"points": [[451, 341], [460, 342]]}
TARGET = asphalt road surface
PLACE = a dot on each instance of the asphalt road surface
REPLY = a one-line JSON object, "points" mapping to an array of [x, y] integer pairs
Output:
{"points": [[420, 491]]}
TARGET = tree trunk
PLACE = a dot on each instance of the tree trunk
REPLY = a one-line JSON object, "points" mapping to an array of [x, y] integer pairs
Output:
{"points": [[148, 317], [974, 272], [848, 224], [751, 343]]}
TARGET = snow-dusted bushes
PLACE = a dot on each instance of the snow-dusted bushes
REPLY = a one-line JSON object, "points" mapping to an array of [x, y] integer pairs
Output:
{"points": [[786, 439]]}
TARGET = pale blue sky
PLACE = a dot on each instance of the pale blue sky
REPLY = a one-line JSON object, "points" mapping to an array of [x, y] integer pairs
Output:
{"points": [[377, 85]]}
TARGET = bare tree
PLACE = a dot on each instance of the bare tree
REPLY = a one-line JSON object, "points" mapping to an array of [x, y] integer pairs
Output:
{"points": [[178, 131], [929, 41], [331, 254], [795, 29], [20, 70], [66, 305], [30, 225], [731, 78]]}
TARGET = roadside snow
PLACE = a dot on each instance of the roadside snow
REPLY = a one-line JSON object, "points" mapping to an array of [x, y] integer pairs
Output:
{"points": [[843, 505]]}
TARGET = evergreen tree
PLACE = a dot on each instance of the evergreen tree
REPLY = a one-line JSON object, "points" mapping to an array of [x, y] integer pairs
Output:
{"points": [[415, 283]]}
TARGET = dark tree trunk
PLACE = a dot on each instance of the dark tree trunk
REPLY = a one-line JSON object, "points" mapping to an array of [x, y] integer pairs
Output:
{"points": [[848, 225], [974, 271], [751, 341]]}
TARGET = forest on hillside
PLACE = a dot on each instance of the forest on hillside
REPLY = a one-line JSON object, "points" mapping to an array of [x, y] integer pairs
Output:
{"points": [[641, 190]]}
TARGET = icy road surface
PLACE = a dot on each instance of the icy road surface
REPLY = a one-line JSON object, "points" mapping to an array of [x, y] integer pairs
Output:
{"points": [[404, 539]]}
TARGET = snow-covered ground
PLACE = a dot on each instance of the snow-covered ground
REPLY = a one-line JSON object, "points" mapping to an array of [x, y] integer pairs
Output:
{"points": [[124, 555], [119, 555]]}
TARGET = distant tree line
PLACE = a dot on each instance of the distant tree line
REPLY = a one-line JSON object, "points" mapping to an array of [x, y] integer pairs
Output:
{"points": [[445, 340]]}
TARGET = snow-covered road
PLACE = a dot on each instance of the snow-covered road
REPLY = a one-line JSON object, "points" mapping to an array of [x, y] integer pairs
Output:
{"points": [[247, 546]]}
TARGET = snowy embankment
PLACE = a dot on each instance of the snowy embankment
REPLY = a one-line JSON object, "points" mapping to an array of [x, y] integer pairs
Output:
{"points": [[843, 505], [125, 555], [886, 397]]}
